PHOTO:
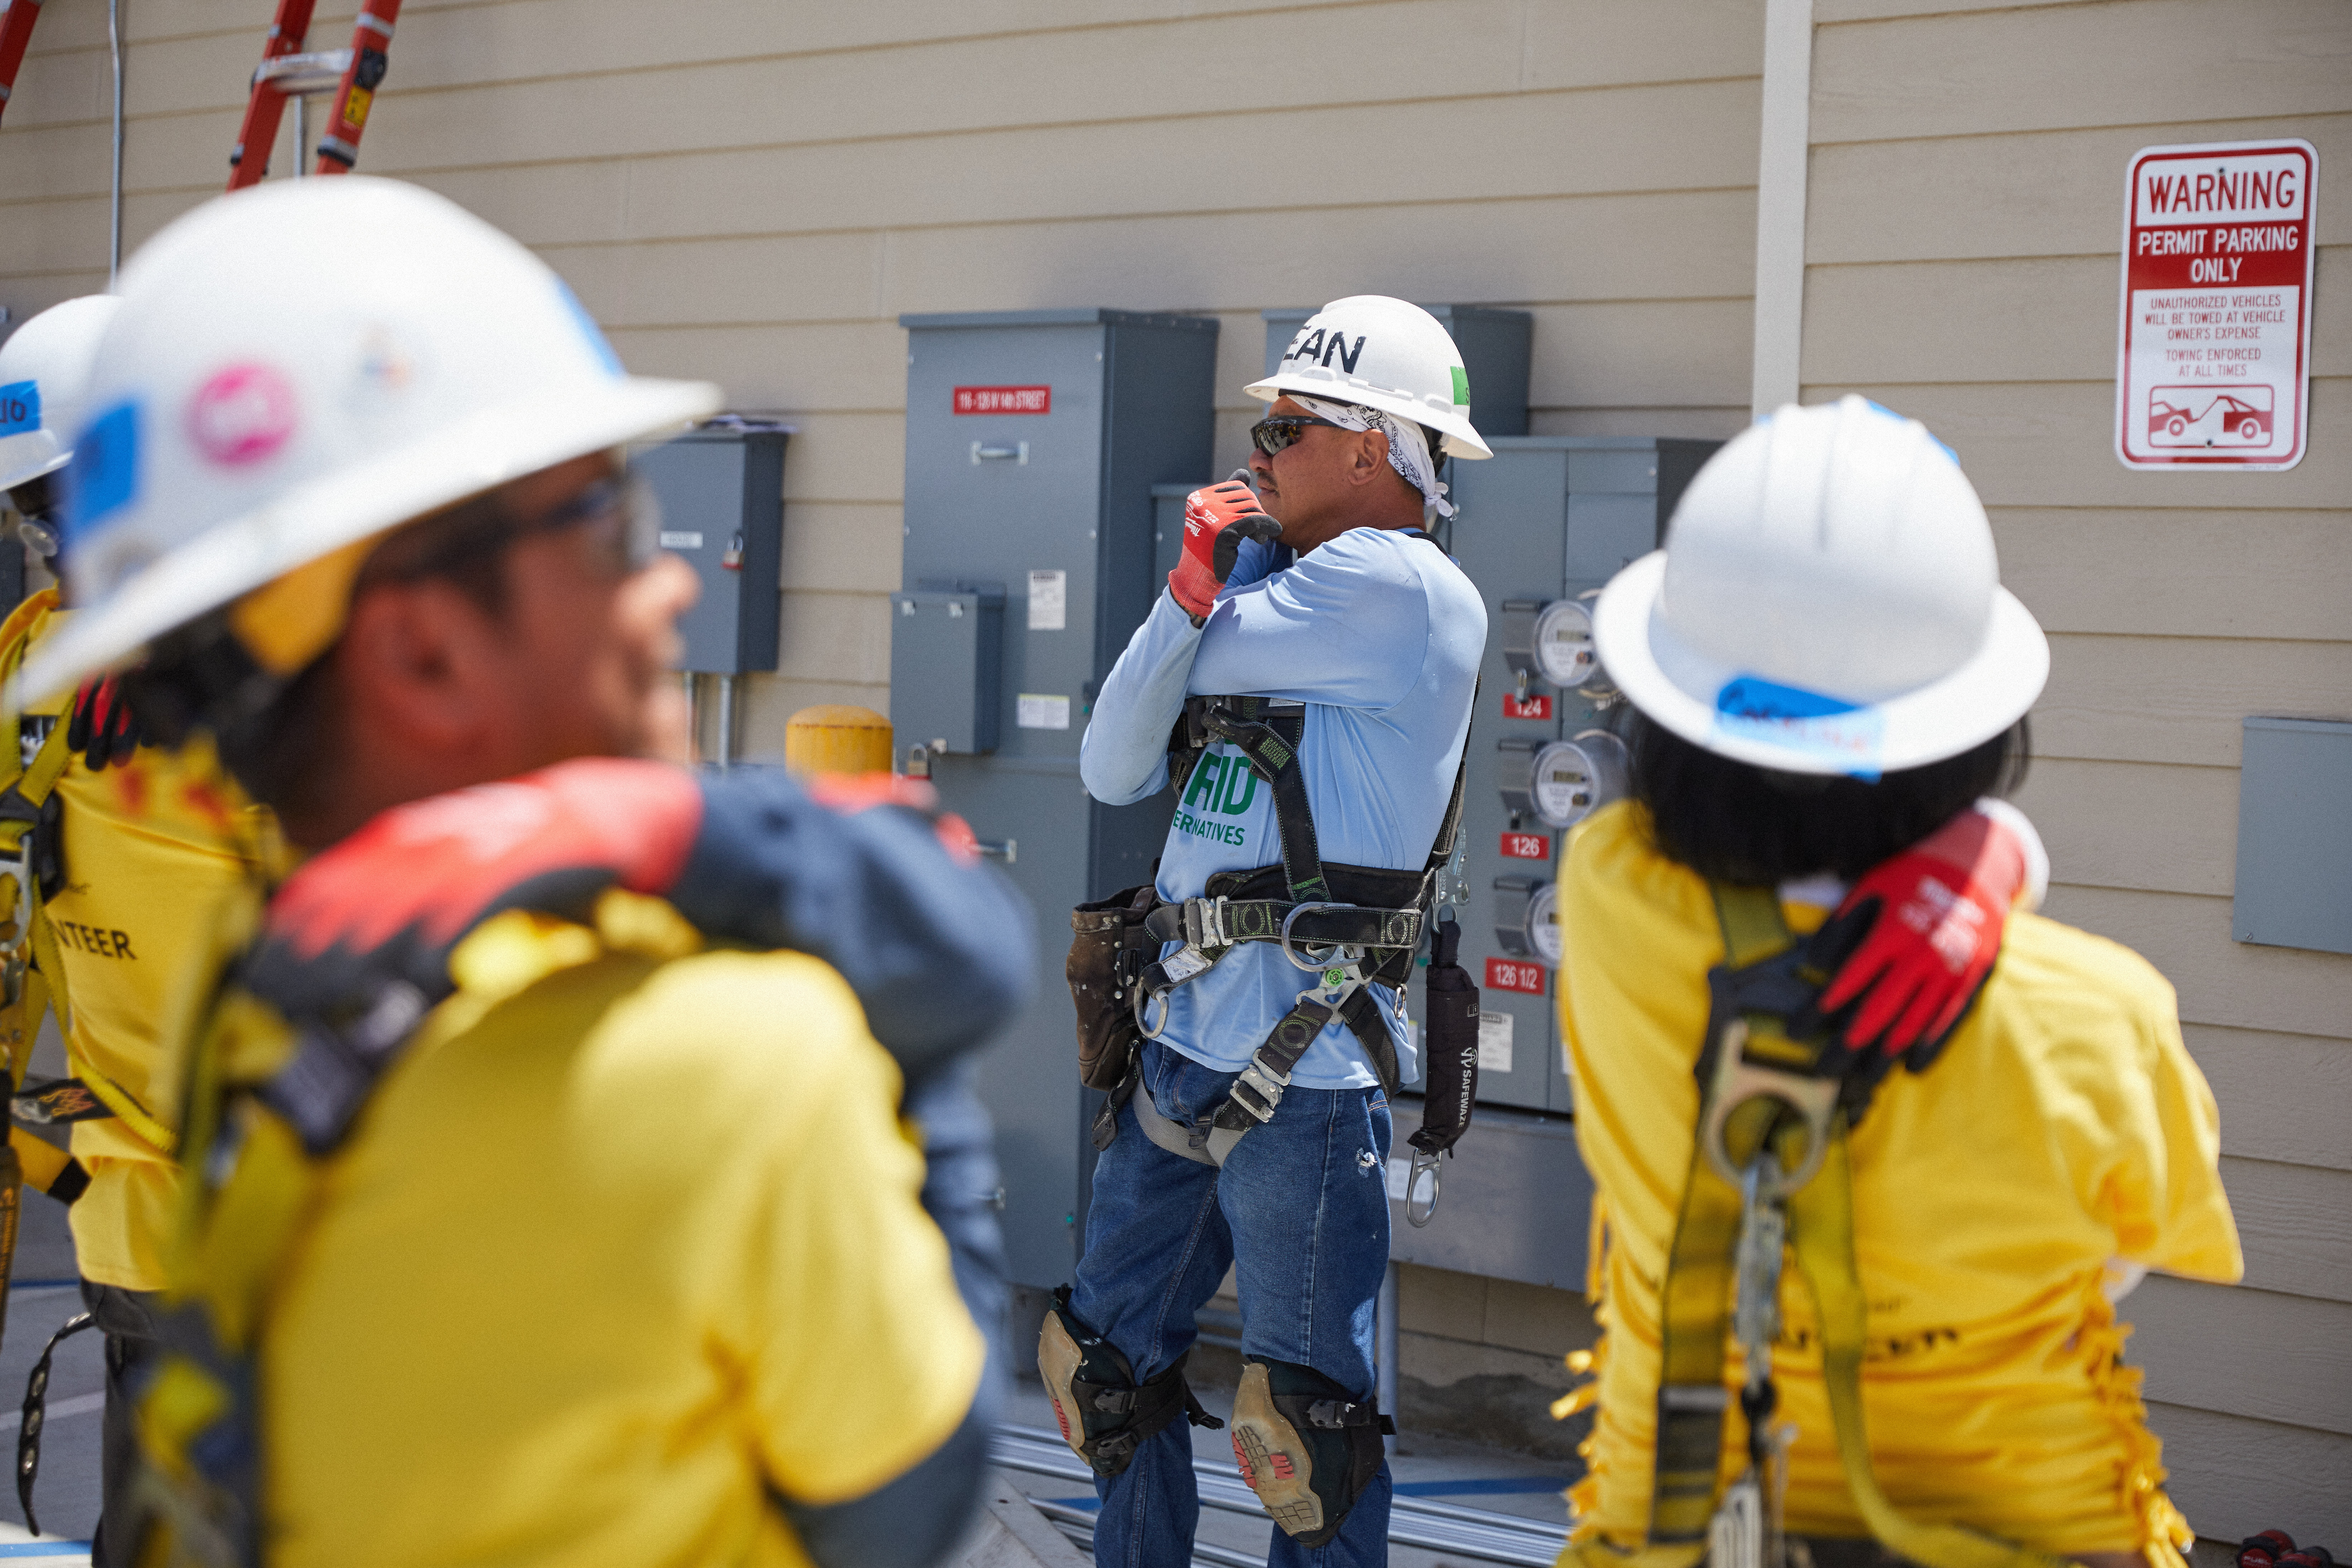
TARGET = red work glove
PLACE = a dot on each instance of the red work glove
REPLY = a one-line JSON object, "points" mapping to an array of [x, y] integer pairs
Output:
{"points": [[1941, 905], [1216, 520], [436, 867], [100, 725]]}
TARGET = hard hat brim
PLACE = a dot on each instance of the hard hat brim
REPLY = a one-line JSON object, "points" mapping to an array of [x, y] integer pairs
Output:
{"points": [[1461, 440], [489, 448], [11, 477], [1678, 688]]}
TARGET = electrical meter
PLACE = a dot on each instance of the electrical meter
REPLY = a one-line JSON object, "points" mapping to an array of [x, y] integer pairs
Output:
{"points": [[1563, 644], [1543, 923], [1527, 918], [1572, 779]]}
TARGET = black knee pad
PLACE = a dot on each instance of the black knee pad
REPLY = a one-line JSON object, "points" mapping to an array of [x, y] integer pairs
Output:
{"points": [[1307, 1448], [1105, 1415]]}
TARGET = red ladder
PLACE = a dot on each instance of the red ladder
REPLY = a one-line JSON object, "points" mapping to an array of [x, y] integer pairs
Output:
{"points": [[16, 32], [370, 37], [286, 72]]}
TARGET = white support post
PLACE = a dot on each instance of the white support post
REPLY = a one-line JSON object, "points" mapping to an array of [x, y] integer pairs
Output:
{"points": [[1780, 202]]}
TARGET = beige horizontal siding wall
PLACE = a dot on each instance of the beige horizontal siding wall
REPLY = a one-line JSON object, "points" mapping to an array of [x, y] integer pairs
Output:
{"points": [[753, 192], [1961, 248]]}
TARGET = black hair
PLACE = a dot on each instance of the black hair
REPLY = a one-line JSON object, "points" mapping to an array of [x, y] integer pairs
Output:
{"points": [[1733, 822]]}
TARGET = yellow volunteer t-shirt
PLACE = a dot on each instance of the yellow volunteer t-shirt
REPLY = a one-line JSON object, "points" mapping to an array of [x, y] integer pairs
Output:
{"points": [[2064, 1125], [623, 1244], [153, 847]]}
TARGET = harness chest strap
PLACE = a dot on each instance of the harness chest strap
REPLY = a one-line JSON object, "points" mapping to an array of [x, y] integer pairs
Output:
{"points": [[1700, 1277], [1258, 1091]]}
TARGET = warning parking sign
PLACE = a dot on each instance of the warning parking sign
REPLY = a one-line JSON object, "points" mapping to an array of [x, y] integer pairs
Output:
{"points": [[2213, 359]]}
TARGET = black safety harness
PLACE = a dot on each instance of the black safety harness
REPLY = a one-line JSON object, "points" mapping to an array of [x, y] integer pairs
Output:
{"points": [[1351, 927]]}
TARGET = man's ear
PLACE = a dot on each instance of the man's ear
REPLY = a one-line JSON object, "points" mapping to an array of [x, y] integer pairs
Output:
{"points": [[1370, 459], [418, 657]]}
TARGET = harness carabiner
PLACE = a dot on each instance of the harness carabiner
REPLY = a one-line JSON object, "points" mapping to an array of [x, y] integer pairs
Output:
{"points": [[1416, 1214]]}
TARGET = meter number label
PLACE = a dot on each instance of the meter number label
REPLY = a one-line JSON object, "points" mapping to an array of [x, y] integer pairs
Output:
{"points": [[1526, 846], [1527, 979], [1534, 706]]}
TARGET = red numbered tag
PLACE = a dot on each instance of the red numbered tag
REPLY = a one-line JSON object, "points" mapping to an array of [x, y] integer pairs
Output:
{"points": [[1526, 846], [1536, 707], [1507, 974]]}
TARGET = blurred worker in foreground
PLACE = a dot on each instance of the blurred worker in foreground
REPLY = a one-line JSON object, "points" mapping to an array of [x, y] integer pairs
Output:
{"points": [[531, 1217], [1824, 674], [129, 853]]}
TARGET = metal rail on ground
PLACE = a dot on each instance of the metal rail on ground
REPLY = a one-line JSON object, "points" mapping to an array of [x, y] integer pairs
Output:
{"points": [[1442, 1527]]}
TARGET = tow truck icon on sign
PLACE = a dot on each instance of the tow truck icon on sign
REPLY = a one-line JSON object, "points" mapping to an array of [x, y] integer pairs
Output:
{"points": [[2203, 416]]}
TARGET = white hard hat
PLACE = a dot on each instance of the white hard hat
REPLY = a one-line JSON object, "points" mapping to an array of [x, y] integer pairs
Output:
{"points": [[300, 366], [1383, 354], [43, 369], [1828, 602]]}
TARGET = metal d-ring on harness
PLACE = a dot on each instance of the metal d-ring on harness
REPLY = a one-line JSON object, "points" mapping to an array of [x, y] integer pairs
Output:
{"points": [[1348, 926], [1768, 1175]]}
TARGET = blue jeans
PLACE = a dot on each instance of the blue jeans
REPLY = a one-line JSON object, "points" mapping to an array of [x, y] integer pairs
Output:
{"points": [[1301, 1206]]}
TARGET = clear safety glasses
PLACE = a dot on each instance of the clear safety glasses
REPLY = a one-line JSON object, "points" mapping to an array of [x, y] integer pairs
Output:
{"points": [[618, 516]]}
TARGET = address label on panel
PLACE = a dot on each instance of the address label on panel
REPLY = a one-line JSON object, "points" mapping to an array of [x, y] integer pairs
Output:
{"points": [[1049, 601], [1032, 712]]}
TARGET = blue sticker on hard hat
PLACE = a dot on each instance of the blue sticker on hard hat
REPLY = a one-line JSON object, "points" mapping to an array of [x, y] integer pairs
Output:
{"points": [[1805, 723], [590, 330], [103, 477], [20, 407]]}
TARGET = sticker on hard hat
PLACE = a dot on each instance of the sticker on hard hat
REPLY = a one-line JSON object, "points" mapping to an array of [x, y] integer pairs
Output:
{"points": [[20, 407], [1807, 724], [242, 415], [103, 477]]}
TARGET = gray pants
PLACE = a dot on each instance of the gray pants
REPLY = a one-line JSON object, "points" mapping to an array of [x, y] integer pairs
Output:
{"points": [[127, 1318]]}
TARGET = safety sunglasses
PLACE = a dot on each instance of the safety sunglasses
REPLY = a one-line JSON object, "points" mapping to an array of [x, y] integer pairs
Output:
{"points": [[1271, 436]]}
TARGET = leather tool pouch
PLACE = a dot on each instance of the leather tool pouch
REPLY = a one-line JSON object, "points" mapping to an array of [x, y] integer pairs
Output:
{"points": [[1109, 950], [1449, 1060]]}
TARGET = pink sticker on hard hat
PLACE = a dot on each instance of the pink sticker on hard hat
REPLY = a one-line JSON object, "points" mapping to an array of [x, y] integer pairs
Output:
{"points": [[242, 416]]}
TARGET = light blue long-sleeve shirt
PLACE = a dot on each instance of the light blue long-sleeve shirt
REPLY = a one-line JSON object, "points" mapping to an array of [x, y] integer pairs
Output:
{"points": [[1378, 633]]}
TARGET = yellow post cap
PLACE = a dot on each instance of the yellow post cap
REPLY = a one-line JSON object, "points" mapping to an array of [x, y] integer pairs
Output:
{"points": [[836, 738]]}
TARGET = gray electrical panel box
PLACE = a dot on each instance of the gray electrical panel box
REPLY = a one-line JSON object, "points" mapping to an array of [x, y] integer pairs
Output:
{"points": [[722, 490], [957, 640], [1494, 344], [2293, 885], [1034, 441], [1547, 519]]}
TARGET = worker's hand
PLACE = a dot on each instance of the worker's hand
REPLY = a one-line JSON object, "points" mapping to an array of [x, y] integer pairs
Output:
{"points": [[1216, 520], [1935, 912], [100, 725]]}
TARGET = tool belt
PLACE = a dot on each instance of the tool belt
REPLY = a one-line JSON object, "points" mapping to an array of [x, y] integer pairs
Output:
{"points": [[1348, 927], [1770, 1174]]}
